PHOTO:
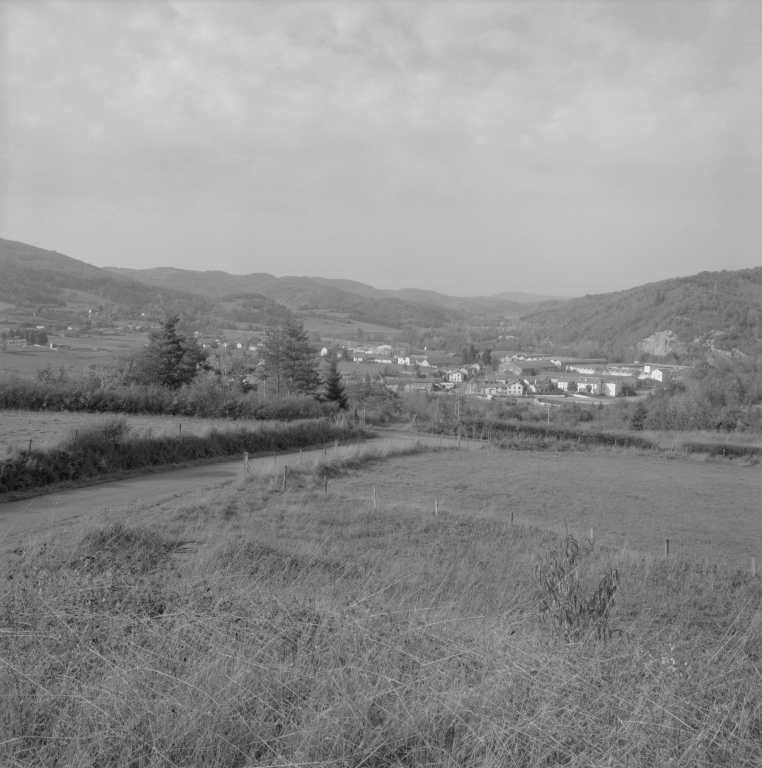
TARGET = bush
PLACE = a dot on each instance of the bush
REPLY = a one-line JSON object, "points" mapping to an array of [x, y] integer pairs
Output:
{"points": [[108, 449], [563, 605], [203, 398]]}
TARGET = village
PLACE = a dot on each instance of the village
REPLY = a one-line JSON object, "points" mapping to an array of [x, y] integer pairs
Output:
{"points": [[501, 374]]}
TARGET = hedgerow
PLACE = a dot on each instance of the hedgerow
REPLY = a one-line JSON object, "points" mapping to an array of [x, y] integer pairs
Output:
{"points": [[109, 449], [505, 431], [201, 398]]}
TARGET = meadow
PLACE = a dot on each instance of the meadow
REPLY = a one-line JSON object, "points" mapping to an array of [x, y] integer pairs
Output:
{"points": [[247, 626], [47, 429]]}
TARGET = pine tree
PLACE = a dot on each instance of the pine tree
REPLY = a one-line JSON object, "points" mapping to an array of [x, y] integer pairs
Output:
{"points": [[334, 389], [170, 358], [290, 361]]}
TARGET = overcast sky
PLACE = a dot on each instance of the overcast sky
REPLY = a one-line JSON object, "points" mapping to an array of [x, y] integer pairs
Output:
{"points": [[466, 147]]}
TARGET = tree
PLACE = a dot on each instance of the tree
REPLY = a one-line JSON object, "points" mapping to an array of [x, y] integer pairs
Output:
{"points": [[334, 388], [170, 359], [638, 418], [290, 361]]}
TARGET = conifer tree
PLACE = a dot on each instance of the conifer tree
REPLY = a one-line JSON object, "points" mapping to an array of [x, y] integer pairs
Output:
{"points": [[170, 359], [290, 361], [334, 388]]}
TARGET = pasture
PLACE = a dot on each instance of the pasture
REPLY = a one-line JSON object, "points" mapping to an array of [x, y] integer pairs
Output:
{"points": [[339, 326], [632, 500], [84, 351], [244, 625], [48, 428]]}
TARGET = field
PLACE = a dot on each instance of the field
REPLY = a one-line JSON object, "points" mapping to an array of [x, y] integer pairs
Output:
{"points": [[48, 428], [85, 351], [245, 626], [341, 326]]}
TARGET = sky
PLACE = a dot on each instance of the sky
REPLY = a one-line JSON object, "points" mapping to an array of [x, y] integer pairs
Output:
{"points": [[466, 147]]}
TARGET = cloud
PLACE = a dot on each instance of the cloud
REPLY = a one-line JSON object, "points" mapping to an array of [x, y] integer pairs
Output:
{"points": [[403, 132]]}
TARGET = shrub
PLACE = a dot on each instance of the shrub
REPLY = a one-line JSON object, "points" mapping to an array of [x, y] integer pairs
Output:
{"points": [[563, 605]]}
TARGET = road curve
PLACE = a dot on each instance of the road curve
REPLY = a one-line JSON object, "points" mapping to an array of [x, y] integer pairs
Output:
{"points": [[51, 509]]}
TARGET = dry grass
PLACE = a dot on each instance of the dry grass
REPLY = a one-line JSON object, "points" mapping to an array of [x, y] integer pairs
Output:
{"points": [[47, 429], [255, 627]]}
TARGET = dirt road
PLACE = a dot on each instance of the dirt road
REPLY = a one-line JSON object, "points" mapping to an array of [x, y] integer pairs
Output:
{"points": [[49, 510]]}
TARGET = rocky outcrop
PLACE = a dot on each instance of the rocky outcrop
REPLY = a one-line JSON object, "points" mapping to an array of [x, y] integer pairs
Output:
{"points": [[662, 343]]}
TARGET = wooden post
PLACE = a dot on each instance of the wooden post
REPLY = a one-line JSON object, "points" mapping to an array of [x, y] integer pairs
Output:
{"points": [[592, 538], [374, 497], [753, 568], [325, 450], [181, 429], [29, 450], [436, 506], [285, 475], [76, 432], [666, 547], [458, 441], [511, 519], [245, 464], [325, 484], [275, 460], [440, 440]]}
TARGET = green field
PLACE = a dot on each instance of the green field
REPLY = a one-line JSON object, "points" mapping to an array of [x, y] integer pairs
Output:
{"points": [[341, 326], [84, 352], [48, 428], [244, 625]]}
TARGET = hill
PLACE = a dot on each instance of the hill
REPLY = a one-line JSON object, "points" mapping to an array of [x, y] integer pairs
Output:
{"points": [[36, 276], [302, 293], [710, 310]]}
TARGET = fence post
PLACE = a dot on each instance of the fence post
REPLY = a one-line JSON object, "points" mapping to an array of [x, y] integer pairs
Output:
{"points": [[325, 484], [458, 441], [149, 433], [440, 440], [181, 429], [275, 460], [436, 506], [245, 463], [29, 450], [285, 475], [511, 519], [753, 567], [666, 547], [374, 497], [592, 538]]}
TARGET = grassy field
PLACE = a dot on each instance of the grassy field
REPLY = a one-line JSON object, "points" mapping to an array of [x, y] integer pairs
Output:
{"points": [[48, 428], [631, 499], [85, 351], [245, 626], [341, 327]]}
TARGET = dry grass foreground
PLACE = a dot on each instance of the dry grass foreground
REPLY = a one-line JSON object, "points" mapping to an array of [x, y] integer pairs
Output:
{"points": [[252, 627]]}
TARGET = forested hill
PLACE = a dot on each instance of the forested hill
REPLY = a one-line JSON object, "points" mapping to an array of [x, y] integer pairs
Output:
{"points": [[299, 293], [37, 276], [711, 309]]}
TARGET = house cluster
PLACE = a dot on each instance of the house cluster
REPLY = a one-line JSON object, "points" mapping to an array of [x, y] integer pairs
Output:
{"points": [[520, 374]]}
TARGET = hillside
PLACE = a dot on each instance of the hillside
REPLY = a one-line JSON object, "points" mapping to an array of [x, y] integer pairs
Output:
{"points": [[721, 310], [301, 293], [37, 276]]}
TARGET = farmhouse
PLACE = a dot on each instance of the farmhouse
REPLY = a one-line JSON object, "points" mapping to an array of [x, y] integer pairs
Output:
{"points": [[539, 384], [409, 384], [527, 367], [15, 343]]}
